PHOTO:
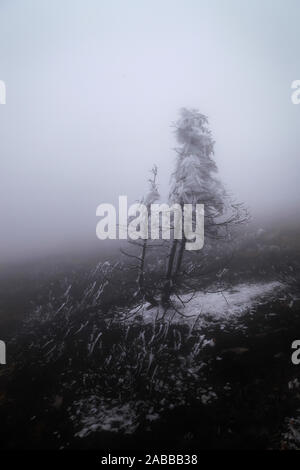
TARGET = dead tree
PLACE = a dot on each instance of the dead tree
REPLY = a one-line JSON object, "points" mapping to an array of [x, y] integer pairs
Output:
{"points": [[143, 291]]}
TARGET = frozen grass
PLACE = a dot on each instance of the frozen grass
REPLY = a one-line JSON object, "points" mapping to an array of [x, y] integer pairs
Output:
{"points": [[121, 372], [96, 414], [151, 342]]}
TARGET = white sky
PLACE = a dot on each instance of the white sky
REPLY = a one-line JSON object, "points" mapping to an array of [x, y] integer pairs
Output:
{"points": [[92, 87]]}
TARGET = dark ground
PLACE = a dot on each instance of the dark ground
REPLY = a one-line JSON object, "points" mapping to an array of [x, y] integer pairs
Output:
{"points": [[237, 394]]}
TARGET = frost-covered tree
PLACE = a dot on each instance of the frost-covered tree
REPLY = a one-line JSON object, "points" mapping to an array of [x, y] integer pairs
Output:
{"points": [[195, 181], [150, 198], [142, 245]]}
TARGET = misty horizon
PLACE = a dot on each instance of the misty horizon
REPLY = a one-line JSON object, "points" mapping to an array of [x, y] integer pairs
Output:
{"points": [[92, 89]]}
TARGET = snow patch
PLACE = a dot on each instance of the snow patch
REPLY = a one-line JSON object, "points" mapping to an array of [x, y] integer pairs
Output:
{"points": [[217, 305], [96, 414]]}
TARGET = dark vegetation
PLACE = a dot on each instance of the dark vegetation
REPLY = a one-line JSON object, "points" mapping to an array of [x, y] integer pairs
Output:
{"points": [[83, 371]]}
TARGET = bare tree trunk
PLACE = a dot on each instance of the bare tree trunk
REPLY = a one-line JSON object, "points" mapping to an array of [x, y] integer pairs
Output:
{"points": [[141, 277], [166, 292], [179, 257]]}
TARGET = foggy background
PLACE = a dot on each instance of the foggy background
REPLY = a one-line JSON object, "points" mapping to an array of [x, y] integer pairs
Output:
{"points": [[92, 88]]}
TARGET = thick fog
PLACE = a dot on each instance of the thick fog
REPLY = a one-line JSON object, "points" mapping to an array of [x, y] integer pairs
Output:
{"points": [[93, 86]]}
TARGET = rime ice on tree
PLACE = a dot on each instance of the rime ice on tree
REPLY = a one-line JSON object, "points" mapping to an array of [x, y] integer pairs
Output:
{"points": [[195, 181]]}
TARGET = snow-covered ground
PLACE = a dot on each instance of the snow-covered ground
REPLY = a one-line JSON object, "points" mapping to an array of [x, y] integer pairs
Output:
{"points": [[95, 414], [217, 305]]}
